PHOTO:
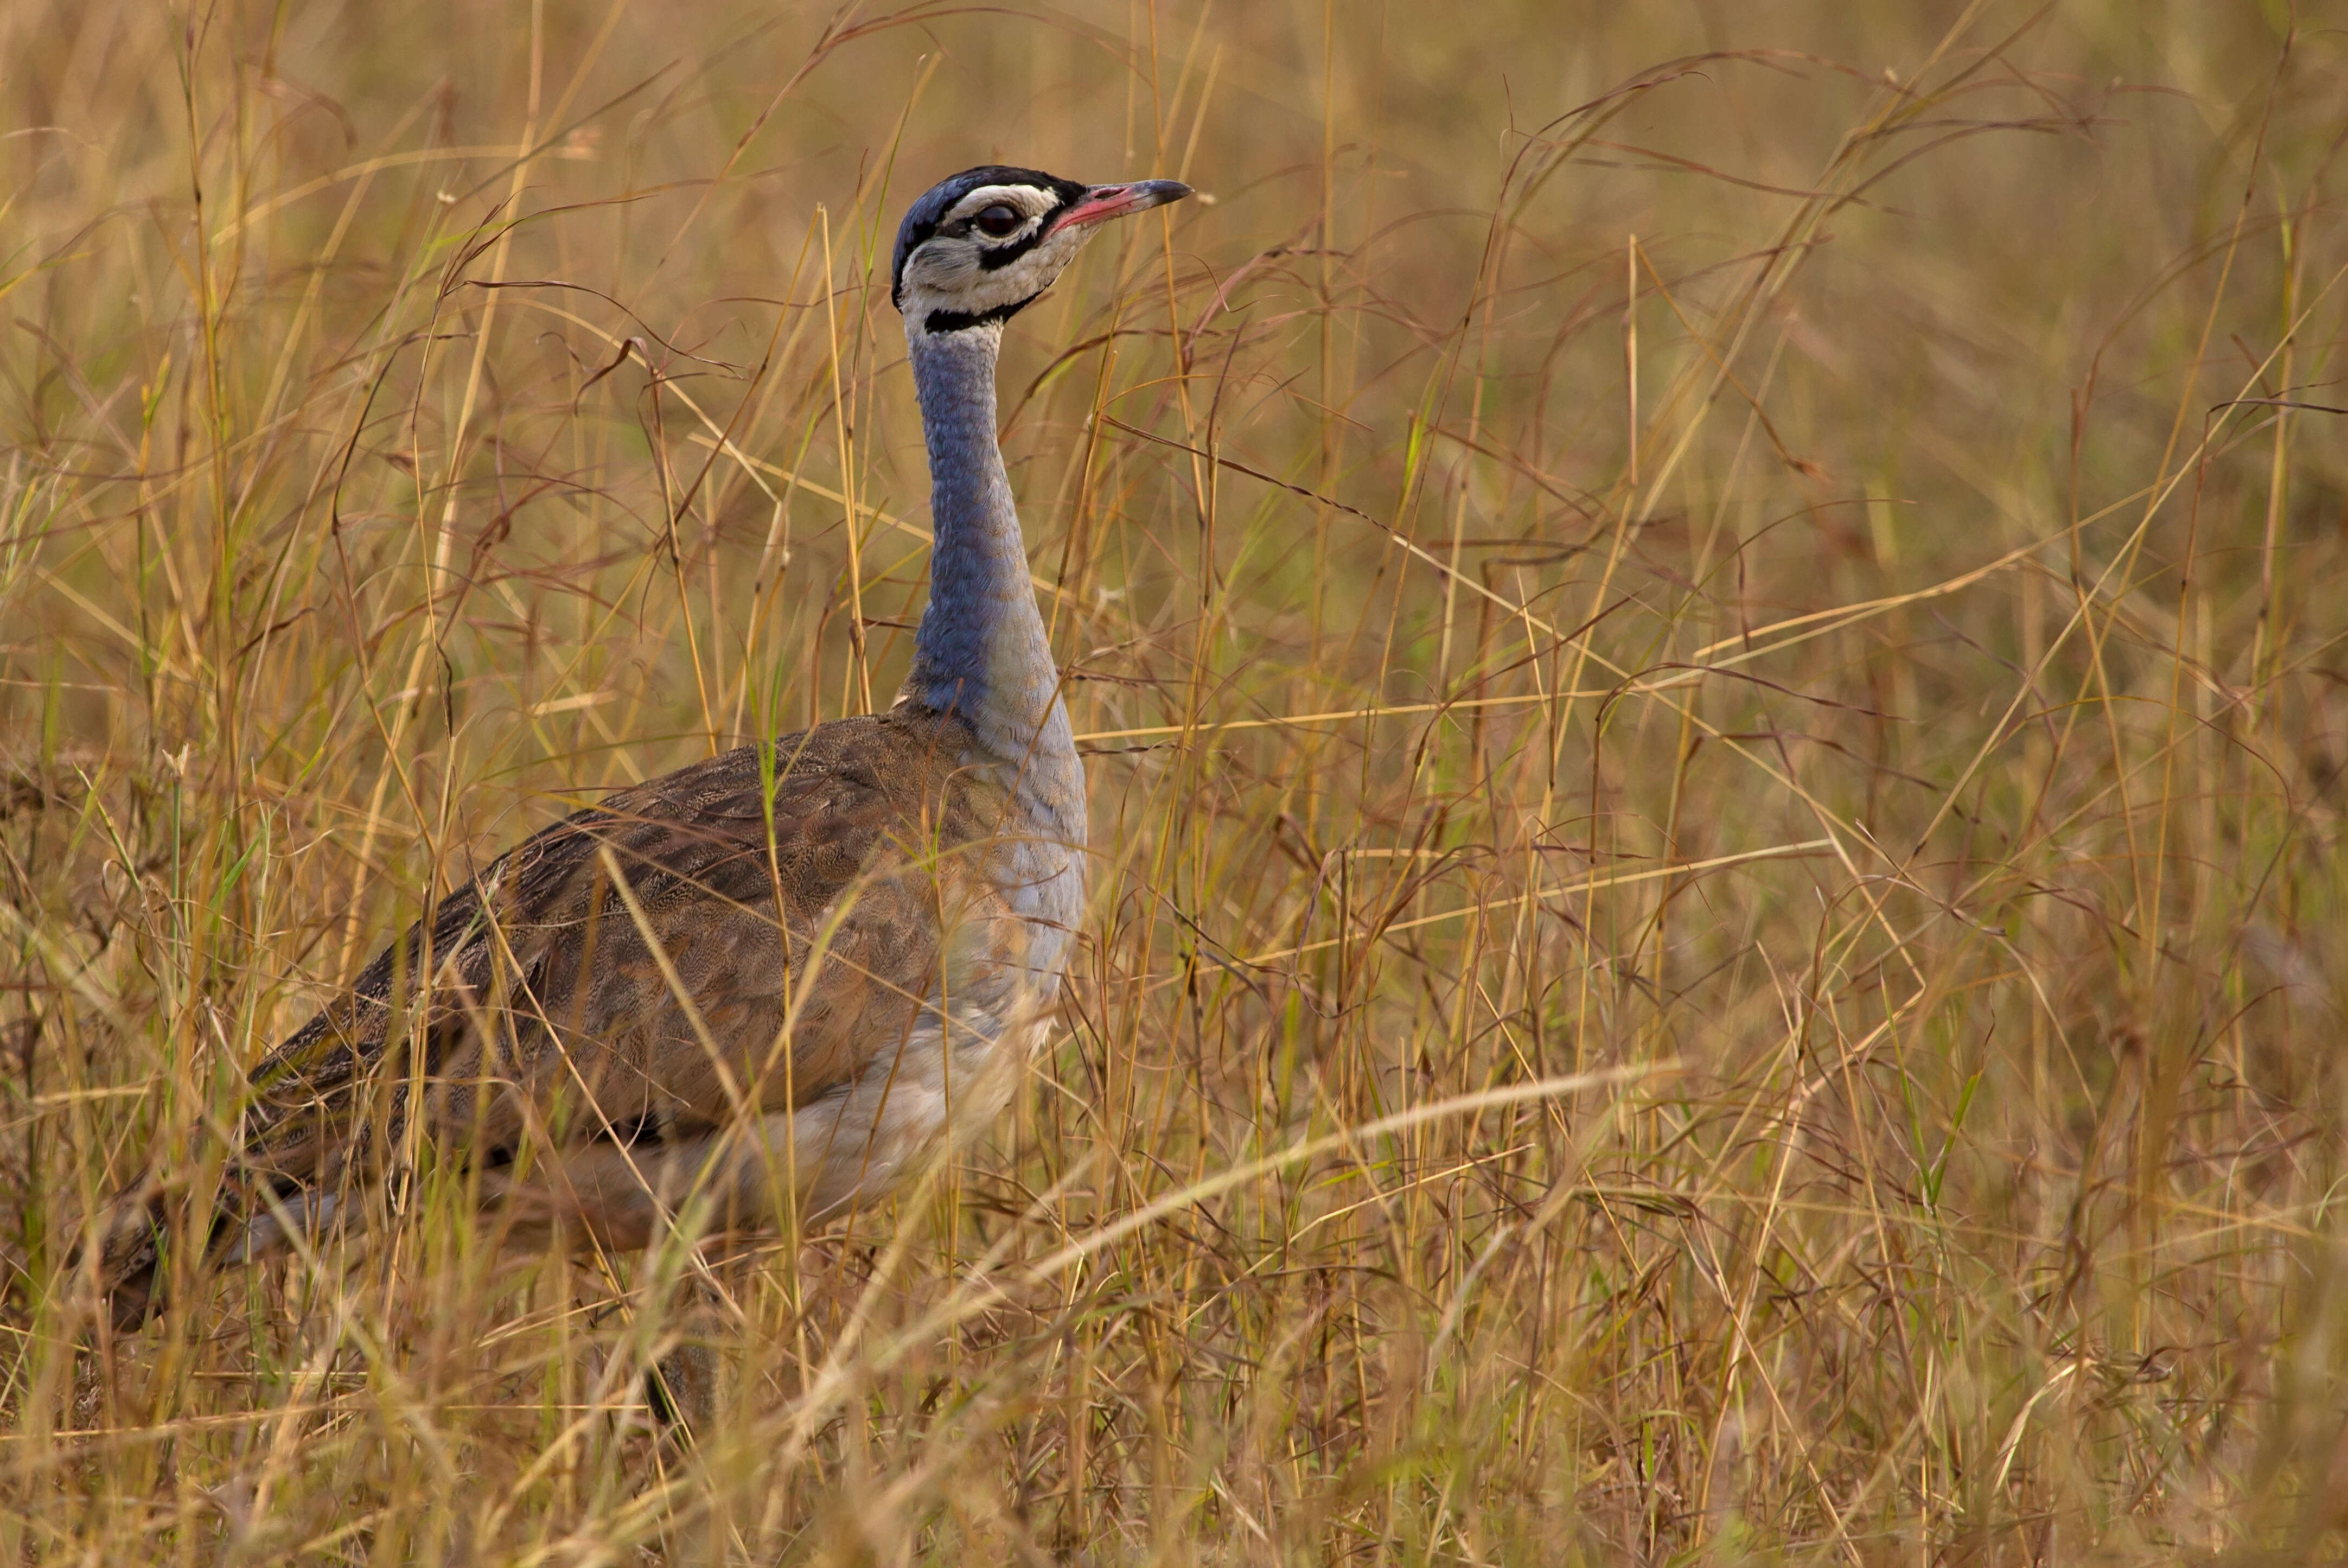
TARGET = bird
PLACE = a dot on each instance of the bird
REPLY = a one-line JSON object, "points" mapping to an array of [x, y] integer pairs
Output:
{"points": [[777, 981]]}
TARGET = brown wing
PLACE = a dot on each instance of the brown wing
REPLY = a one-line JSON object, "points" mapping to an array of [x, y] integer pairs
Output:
{"points": [[543, 1006], [554, 1007]]}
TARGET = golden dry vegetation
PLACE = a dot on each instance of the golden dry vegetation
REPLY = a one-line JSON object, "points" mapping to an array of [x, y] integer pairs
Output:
{"points": [[1712, 642]]}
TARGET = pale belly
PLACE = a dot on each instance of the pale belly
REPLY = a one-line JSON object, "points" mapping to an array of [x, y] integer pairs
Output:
{"points": [[860, 1143], [949, 1080]]}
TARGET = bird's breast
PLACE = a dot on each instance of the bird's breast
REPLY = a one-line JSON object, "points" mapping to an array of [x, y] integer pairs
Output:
{"points": [[1034, 859]]}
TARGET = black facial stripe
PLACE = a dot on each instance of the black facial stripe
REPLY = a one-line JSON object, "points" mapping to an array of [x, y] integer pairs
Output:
{"points": [[962, 321], [995, 260]]}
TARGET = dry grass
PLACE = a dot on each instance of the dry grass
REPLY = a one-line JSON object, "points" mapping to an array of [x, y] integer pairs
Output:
{"points": [[1854, 671]]}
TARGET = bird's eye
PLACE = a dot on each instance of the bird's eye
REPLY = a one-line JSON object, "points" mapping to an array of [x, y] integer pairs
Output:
{"points": [[1000, 220]]}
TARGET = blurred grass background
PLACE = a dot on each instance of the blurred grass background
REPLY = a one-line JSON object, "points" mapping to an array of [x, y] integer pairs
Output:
{"points": [[1786, 558]]}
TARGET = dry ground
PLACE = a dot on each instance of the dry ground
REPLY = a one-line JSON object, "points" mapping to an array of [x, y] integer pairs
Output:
{"points": [[1713, 640]]}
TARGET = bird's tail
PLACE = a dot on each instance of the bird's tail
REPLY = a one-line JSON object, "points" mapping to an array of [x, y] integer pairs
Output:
{"points": [[249, 1217], [127, 1254]]}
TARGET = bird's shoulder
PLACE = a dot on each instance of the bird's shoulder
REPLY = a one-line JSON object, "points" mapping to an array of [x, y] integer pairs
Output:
{"points": [[813, 807]]}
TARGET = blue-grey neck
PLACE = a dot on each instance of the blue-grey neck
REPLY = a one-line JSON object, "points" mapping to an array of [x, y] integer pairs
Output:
{"points": [[981, 652]]}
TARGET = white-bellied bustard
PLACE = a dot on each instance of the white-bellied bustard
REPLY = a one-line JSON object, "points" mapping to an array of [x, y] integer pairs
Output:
{"points": [[819, 961]]}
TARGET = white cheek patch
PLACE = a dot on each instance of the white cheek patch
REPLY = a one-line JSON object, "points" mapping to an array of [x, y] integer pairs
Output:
{"points": [[943, 265]]}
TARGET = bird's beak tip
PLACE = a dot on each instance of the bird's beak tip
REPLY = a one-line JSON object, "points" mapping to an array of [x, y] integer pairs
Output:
{"points": [[1102, 202]]}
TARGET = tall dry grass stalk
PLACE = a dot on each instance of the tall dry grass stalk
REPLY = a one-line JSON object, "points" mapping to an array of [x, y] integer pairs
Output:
{"points": [[1712, 639]]}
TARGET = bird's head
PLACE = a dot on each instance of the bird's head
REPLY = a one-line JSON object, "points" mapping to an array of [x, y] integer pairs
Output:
{"points": [[977, 248]]}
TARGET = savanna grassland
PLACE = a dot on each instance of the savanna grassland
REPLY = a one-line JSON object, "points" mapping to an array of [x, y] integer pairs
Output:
{"points": [[1714, 642]]}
